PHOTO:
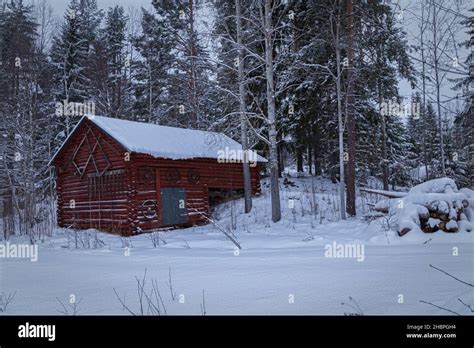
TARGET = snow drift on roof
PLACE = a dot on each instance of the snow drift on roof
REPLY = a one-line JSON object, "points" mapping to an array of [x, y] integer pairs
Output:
{"points": [[170, 142]]}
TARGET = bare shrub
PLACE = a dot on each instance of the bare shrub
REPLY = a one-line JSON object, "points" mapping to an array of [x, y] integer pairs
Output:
{"points": [[83, 239], [156, 239], [71, 309], [468, 306], [126, 242], [150, 301], [354, 306]]}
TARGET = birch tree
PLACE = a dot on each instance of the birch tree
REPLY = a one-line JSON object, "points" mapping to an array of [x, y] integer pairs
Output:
{"points": [[271, 117], [242, 110], [258, 82]]}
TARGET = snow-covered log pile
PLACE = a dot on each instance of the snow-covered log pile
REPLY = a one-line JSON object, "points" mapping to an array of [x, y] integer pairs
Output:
{"points": [[432, 206]]}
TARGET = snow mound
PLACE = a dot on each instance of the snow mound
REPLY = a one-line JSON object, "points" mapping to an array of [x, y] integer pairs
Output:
{"points": [[442, 185]]}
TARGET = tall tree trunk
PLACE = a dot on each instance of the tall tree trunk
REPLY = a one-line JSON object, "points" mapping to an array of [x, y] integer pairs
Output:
{"points": [[299, 161], [272, 132], [423, 89], [193, 52], [383, 125], [317, 160], [310, 160], [243, 116], [9, 194], [150, 92], [342, 185], [351, 126], [438, 88], [281, 159]]}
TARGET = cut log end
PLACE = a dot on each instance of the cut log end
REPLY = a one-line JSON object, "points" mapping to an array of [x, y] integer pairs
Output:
{"points": [[404, 231]]}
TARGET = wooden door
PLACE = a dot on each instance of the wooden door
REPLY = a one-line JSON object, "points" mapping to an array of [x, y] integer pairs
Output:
{"points": [[173, 203]]}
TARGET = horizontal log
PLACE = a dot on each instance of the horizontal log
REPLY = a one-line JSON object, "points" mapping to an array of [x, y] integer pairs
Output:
{"points": [[390, 194]]}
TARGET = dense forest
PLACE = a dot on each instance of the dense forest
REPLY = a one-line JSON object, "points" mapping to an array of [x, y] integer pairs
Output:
{"points": [[313, 84]]}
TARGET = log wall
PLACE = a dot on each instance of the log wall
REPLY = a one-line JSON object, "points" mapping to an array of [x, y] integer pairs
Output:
{"points": [[87, 199]]}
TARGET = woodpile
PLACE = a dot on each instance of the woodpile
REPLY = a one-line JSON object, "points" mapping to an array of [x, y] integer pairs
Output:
{"points": [[443, 216], [435, 205]]}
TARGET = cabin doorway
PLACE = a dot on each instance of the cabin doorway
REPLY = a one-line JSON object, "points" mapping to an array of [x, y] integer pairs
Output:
{"points": [[173, 203]]}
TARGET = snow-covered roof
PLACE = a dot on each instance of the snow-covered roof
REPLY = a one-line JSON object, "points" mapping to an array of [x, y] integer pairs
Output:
{"points": [[168, 142]]}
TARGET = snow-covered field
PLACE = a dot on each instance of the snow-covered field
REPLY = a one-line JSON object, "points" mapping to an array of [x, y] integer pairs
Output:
{"points": [[282, 268]]}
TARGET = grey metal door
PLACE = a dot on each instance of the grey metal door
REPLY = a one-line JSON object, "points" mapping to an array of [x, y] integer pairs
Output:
{"points": [[173, 202]]}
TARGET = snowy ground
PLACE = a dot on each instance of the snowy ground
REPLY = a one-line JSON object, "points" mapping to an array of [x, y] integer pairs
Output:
{"points": [[282, 268]]}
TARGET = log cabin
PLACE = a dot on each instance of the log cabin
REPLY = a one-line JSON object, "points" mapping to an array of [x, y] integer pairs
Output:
{"points": [[127, 177]]}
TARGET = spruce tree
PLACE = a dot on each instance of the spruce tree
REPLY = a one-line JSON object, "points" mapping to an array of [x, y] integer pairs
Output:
{"points": [[383, 41], [152, 72], [110, 63], [191, 86], [72, 55]]}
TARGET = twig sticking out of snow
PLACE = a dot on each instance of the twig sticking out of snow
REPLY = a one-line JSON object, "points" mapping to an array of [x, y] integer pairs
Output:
{"points": [[122, 302], [170, 285], [459, 280], [444, 309], [73, 307], [150, 304], [203, 304], [226, 233], [467, 305], [5, 300], [450, 275], [186, 244], [354, 305], [156, 239]]}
